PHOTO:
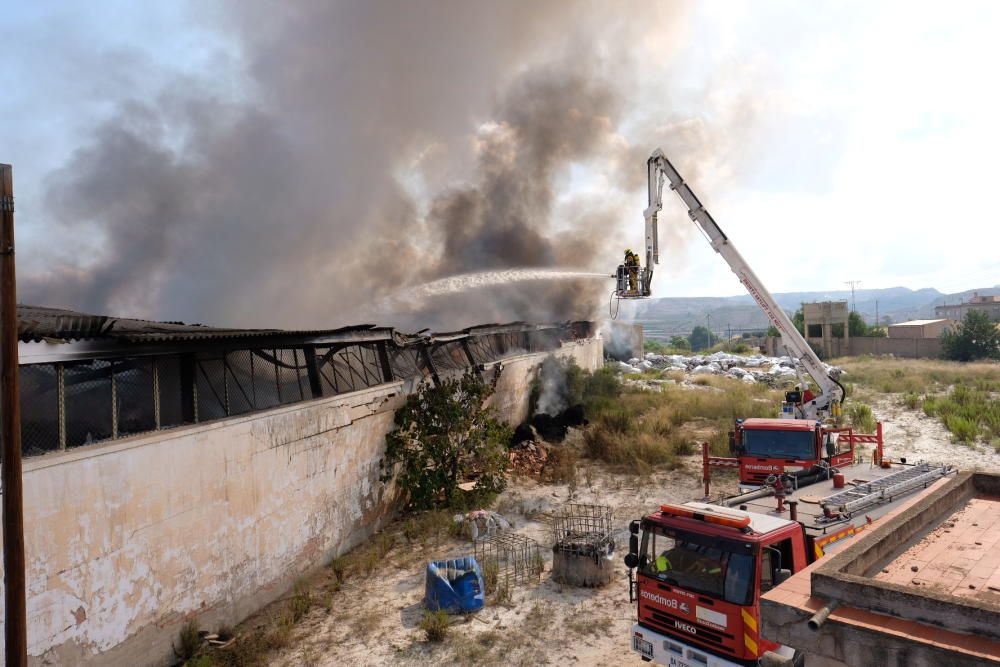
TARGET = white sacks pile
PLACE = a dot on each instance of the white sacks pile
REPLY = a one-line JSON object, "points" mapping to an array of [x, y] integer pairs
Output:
{"points": [[773, 371]]}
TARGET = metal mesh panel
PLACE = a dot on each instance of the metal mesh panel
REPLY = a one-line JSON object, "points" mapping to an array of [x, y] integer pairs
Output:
{"points": [[168, 371], [134, 391], [583, 529], [265, 379], [509, 559], [484, 348], [88, 402], [449, 357], [39, 409], [291, 368], [406, 363], [210, 379], [349, 368], [544, 340], [239, 382]]}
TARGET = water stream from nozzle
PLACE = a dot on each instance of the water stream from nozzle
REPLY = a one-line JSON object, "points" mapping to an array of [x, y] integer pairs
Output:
{"points": [[469, 281]]}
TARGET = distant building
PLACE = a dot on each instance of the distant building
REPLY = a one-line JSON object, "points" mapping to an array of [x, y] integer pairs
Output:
{"points": [[987, 304], [920, 328]]}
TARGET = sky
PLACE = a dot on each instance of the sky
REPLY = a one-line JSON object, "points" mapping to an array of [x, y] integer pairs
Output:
{"points": [[292, 165]]}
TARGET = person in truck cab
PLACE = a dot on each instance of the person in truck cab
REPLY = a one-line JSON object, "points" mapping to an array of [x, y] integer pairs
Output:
{"points": [[683, 559]]}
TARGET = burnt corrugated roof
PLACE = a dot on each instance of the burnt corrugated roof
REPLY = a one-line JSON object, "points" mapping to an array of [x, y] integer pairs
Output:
{"points": [[38, 323]]}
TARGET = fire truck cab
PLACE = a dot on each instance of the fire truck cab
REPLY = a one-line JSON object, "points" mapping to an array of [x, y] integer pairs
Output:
{"points": [[700, 572], [765, 447]]}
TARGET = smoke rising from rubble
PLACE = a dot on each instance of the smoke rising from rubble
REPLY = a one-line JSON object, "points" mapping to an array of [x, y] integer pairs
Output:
{"points": [[371, 147], [553, 396]]}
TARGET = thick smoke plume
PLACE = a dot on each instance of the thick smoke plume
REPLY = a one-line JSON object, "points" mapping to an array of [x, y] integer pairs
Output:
{"points": [[362, 148]]}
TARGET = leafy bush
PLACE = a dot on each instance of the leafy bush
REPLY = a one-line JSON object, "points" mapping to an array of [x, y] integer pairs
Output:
{"points": [[911, 400], [680, 343], [976, 337], [445, 434]]}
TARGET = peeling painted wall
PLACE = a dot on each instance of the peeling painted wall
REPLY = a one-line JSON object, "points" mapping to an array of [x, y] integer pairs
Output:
{"points": [[126, 541]]}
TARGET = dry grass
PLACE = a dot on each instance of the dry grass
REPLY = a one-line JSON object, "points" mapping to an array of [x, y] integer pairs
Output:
{"points": [[918, 376], [861, 418], [962, 395], [435, 625], [642, 431]]}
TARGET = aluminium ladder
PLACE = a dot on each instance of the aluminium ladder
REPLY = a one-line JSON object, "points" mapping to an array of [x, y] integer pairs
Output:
{"points": [[884, 488]]}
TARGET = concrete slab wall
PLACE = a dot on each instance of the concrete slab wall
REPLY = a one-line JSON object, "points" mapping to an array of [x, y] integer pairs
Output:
{"points": [[127, 541]]}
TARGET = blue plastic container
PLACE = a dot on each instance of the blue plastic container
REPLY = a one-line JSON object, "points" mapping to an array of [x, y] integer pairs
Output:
{"points": [[455, 586]]}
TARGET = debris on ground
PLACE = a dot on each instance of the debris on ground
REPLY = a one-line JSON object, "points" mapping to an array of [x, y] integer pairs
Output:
{"points": [[481, 523], [527, 459]]}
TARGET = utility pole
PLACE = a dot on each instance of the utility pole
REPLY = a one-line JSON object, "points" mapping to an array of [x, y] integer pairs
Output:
{"points": [[853, 284], [15, 616]]}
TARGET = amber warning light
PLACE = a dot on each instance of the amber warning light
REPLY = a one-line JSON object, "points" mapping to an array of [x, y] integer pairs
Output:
{"points": [[731, 520]]}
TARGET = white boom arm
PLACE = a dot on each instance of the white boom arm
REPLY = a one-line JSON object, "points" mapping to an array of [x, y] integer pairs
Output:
{"points": [[796, 346]]}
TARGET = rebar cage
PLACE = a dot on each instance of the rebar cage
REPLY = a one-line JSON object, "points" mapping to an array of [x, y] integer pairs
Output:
{"points": [[510, 558], [583, 529]]}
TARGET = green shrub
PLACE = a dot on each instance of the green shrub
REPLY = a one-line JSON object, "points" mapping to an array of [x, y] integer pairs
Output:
{"points": [[435, 625], [445, 434], [911, 400], [860, 417]]}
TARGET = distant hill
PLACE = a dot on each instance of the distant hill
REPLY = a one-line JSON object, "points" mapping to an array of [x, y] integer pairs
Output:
{"points": [[669, 316]]}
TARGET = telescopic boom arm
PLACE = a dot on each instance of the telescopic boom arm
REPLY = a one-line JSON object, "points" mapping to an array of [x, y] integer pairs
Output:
{"points": [[830, 392]]}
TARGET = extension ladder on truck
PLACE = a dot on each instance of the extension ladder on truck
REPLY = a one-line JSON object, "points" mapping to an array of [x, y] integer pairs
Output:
{"points": [[883, 489]]}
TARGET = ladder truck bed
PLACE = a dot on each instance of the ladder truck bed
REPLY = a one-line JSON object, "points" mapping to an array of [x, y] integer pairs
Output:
{"points": [[868, 494]]}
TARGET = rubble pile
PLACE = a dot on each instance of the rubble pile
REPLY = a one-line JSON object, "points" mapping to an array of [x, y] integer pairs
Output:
{"points": [[772, 371], [527, 459]]}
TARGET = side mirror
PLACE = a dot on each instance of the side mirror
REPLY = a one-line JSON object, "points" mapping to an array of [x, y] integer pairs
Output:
{"points": [[633, 544], [633, 527], [732, 443], [632, 560], [781, 576]]}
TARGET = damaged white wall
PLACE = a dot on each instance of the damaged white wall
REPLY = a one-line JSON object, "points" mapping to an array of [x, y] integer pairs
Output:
{"points": [[126, 541]]}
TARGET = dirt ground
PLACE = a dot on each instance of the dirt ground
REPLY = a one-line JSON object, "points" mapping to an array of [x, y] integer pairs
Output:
{"points": [[373, 621]]}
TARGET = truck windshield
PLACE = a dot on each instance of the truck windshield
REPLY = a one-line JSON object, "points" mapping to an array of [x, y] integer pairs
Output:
{"points": [[699, 564], [779, 444]]}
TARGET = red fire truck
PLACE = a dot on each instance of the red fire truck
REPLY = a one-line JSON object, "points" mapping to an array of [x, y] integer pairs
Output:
{"points": [[700, 568], [805, 449]]}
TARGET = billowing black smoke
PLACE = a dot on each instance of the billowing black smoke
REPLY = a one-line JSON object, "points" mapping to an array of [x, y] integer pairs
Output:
{"points": [[368, 146]]}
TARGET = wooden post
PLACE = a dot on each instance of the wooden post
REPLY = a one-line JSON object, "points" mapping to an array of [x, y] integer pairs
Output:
{"points": [[15, 619]]}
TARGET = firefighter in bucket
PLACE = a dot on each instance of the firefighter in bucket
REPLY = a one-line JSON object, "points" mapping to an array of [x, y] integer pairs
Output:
{"points": [[632, 268]]}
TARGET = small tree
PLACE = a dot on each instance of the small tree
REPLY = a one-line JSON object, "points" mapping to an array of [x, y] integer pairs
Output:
{"points": [[976, 337], [680, 343], [799, 321], [445, 434], [701, 338]]}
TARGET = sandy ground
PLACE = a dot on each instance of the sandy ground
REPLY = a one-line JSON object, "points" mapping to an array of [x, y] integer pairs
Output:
{"points": [[374, 621], [916, 436]]}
